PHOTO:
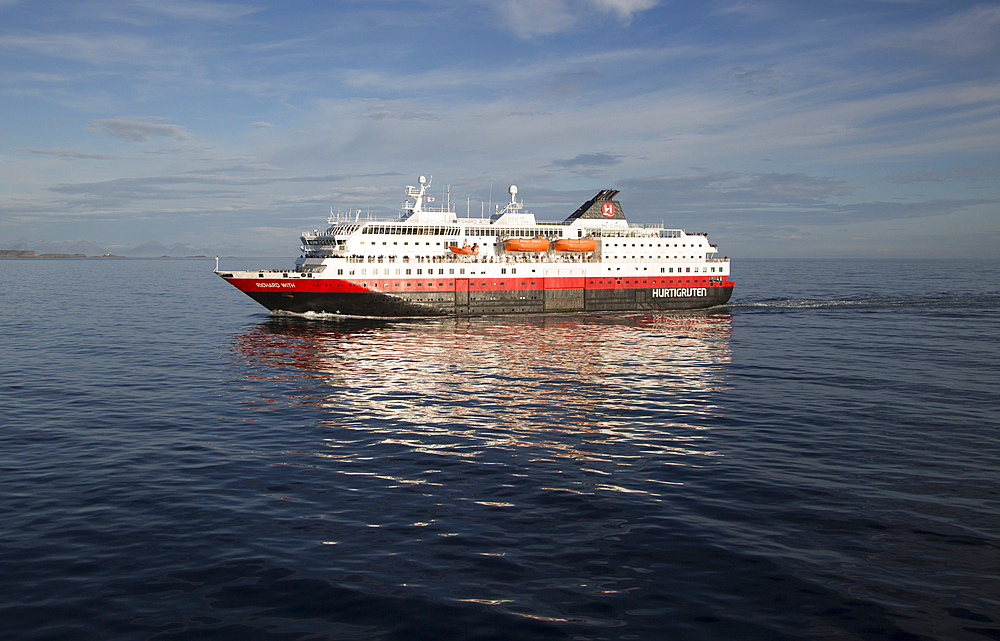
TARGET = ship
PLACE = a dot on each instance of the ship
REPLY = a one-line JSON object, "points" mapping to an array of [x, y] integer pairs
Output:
{"points": [[429, 261]]}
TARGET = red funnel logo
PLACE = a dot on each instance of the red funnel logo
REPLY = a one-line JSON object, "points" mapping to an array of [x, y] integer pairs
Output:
{"points": [[608, 209]]}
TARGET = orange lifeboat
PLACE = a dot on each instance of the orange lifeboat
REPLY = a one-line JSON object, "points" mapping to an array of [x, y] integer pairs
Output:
{"points": [[587, 244], [465, 250], [537, 244]]}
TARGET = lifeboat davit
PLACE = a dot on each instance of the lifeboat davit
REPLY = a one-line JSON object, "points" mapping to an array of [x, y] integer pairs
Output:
{"points": [[537, 244], [465, 250], [587, 244]]}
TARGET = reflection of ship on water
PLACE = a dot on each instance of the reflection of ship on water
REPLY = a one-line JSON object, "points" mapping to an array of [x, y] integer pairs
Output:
{"points": [[500, 381]]}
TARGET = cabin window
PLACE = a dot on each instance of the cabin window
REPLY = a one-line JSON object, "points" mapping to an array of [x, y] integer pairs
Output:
{"points": [[408, 272], [419, 271], [451, 271], [689, 270], [340, 272]]}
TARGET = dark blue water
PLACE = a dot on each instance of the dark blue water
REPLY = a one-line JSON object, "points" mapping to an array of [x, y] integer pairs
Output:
{"points": [[817, 460]]}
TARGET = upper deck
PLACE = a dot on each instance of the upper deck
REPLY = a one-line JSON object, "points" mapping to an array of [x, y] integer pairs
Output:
{"points": [[596, 234]]}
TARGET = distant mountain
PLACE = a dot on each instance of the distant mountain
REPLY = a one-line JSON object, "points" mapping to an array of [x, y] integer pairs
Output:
{"points": [[21, 244], [58, 247], [86, 247], [151, 249], [146, 250]]}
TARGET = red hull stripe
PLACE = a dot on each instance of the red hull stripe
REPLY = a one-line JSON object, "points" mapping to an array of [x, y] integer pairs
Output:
{"points": [[481, 284]]}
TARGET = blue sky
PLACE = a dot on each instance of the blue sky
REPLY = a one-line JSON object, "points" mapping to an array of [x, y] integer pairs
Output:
{"points": [[854, 128]]}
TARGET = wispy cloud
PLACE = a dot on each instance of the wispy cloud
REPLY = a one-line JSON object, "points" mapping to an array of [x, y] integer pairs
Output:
{"points": [[95, 49], [532, 18], [584, 163], [400, 111], [138, 128], [69, 154], [624, 9], [743, 190], [768, 200], [195, 10], [974, 31], [150, 12], [967, 174]]}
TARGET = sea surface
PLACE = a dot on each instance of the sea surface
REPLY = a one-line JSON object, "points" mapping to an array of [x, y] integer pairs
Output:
{"points": [[820, 459]]}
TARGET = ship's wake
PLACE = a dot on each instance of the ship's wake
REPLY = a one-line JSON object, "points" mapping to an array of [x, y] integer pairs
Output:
{"points": [[877, 302]]}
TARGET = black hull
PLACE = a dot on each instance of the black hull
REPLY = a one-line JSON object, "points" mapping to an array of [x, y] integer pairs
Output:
{"points": [[488, 303]]}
